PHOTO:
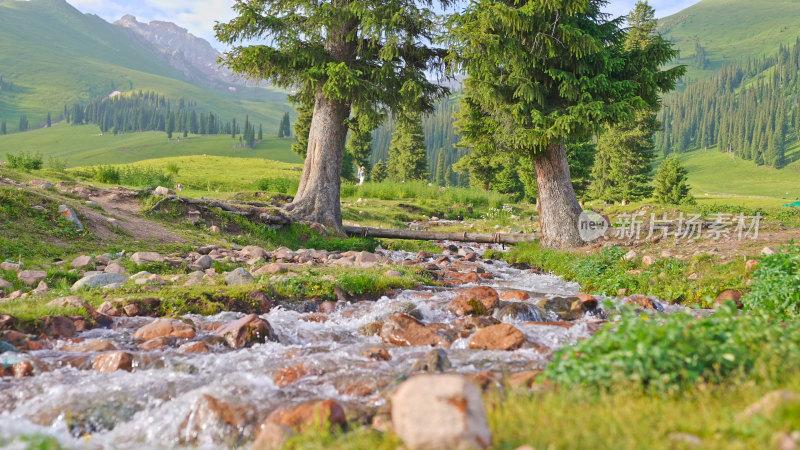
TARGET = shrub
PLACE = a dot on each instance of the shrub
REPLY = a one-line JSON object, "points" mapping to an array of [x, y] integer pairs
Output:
{"points": [[777, 286], [672, 352], [279, 185], [107, 174], [144, 177], [173, 168], [25, 161]]}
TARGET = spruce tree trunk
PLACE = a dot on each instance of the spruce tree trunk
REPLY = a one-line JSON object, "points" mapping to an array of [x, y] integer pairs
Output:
{"points": [[318, 196], [557, 204]]}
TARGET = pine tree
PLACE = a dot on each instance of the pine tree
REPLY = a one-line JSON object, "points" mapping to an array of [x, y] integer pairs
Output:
{"points": [[359, 143], [170, 126], [379, 172], [305, 110], [260, 133], [671, 183], [407, 159], [23, 123], [542, 73], [3, 129], [441, 170], [337, 56], [49, 121]]}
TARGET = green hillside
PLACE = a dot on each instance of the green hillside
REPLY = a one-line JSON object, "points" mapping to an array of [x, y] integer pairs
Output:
{"points": [[86, 146], [55, 55], [731, 30]]}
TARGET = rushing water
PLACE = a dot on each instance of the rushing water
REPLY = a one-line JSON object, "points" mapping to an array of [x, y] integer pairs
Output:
{"points": [[148, 407]]}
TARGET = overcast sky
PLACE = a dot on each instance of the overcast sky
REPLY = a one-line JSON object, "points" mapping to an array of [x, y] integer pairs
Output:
{"points": [[198, 16]]}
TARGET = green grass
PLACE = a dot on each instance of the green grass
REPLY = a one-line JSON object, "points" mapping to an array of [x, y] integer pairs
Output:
{"points": [[85, 146], [55, 55], [731, 30], [605, 272]]}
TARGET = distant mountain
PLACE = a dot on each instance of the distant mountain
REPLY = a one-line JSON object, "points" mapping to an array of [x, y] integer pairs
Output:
{"points": [[194, 57], [52, 55], [712, 33]]}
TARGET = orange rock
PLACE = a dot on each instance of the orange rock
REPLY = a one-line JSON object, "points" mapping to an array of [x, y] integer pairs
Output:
{"points": [[730, 295], [289, 375], [404, 330], [193, 347], [497, 337], [165, 328], [589, 301], [22, 369], [306, 415], [641, 301], [481, 300], [111, 362], [514, 295], [246, 331], [155, 343]]}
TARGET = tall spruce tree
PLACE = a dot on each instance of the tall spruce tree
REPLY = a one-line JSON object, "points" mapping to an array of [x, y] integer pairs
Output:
{"points": [[441, 169], [3, 127], [544, 72], [626, 150], [338, 55], [407, 159], [359, 143], [379, 172], [49, 121], [260, 133], [302, 126]]}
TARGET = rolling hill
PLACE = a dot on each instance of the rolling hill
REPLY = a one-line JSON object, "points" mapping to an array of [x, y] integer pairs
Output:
{"points": [[55, 55], [730, 31]]}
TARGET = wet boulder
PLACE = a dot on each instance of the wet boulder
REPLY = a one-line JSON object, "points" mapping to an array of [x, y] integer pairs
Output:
{"points": [[518, 312], [564, 308], [194, 347], [515, 295], [497, 337], [440, 411], [246, 331], [480, 301], [57, 326], [212, 421], [472, 323], [404, 330], [282, 423], [165, 328], [435, 360], [112, 362]]}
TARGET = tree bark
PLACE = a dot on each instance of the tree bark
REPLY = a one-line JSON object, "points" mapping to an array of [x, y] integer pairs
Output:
{"points": [[558, 206], [318, 196]]}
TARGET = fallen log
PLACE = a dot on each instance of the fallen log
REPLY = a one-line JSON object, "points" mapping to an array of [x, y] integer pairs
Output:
{"points": [[267, 215], [484, 238]]}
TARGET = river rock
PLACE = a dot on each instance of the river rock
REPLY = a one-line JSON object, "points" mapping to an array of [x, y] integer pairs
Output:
{"points": [[472, 323], [404, 330], [204, 262], [57, 326], [435, 360], [497, 337], [156, 343], [377, 354], [246, 331], [72, 301], [82, 262], [22, 369], [238, 277], [212, 420], [32, 277], [289, 375], [142, 258], [111, 362], [194, 347], [440, 412], [272, 269], [766, 251], [99, 280], [642, 301], [564, 308], [730, 295], [518, 312], [480, 300], [514, 295], [165, 328], [303, 417], [284, 254], [90, 346]]}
